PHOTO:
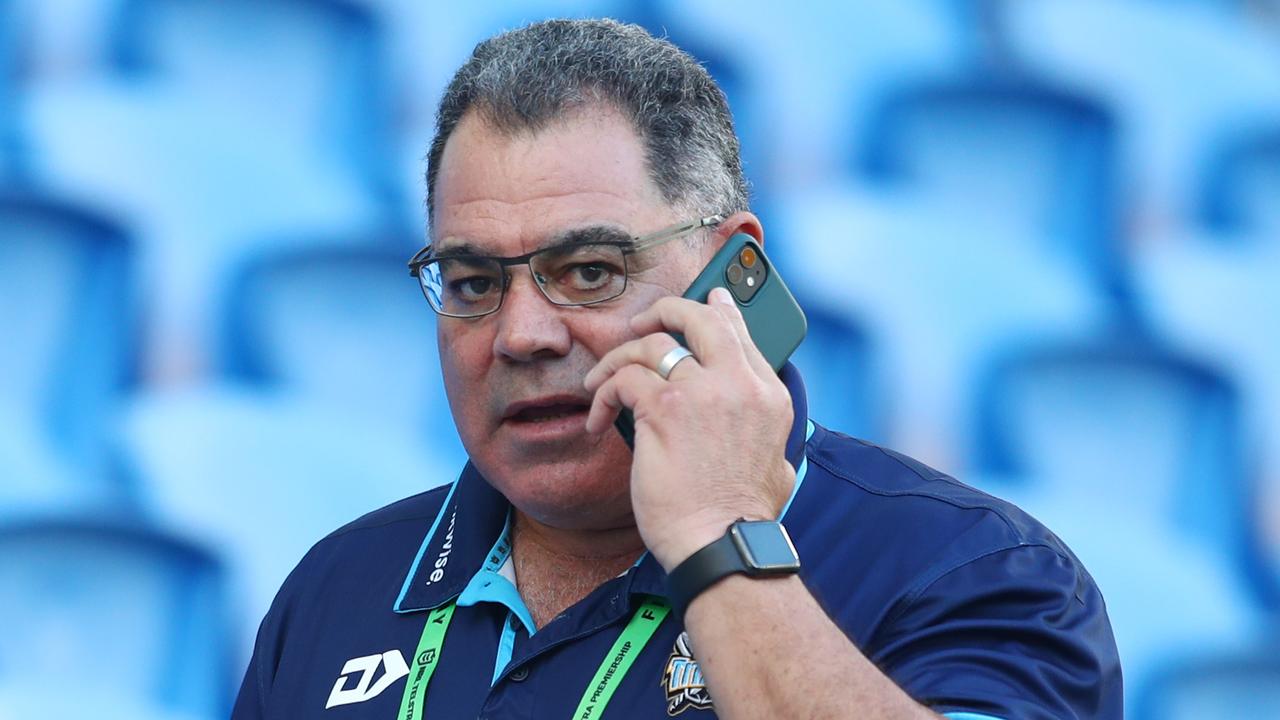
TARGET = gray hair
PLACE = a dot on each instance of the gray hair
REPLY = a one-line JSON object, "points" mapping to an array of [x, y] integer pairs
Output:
{"points": [[525, 79]]}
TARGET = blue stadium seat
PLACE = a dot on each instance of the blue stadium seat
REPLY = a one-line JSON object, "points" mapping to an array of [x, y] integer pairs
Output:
{"points": [[935, 292], [343, 324], [1126, 421], [235, 121], [69, 318], [1240, 190], [1134, 456], [262, 476], [1023, 155], [8, 76], [105, 619], [814, 68], [1177, 75], [838, 362], [1244, 685], [332, 406], [1215, 294], [304, 69]]}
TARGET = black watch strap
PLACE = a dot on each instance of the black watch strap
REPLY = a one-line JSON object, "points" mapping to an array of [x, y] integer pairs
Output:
{"points": [[701, 570], [759, 548]]}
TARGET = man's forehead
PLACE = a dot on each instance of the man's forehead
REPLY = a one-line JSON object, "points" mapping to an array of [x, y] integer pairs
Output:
{"points": [[586, 232], [512, 192]]}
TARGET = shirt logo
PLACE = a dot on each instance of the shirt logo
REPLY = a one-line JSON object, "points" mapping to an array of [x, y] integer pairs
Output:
{"points": [[683, 680], [437, 573], [367, 666]]}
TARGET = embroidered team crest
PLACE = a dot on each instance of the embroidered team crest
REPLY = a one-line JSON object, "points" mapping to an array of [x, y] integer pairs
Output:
{"points": [[683, 680]]}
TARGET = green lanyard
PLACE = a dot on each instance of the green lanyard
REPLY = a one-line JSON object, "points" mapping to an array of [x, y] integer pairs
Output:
{"points": [[620, 658], [598, 694], [424, 662]]}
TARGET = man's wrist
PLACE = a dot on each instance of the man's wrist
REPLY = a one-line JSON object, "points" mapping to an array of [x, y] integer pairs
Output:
{"points": [[678, 541], [688, 539], [756, 548]]}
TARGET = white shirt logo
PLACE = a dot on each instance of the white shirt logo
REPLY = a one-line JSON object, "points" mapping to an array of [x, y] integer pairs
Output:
{"points": [[367, 666]]}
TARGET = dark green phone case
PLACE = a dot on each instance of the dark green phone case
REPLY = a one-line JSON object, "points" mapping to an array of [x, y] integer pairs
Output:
{"points": [[774, 319]]}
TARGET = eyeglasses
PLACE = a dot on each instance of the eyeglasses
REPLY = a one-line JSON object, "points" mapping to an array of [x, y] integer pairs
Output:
{"points": [[464, 285]]}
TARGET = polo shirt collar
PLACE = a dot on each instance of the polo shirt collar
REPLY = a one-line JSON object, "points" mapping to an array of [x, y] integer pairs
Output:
{"points": [[469, 528], [469, 541]]}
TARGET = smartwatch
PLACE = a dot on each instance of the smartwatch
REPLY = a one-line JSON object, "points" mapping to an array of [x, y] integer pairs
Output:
{"points": [[754, 548]]}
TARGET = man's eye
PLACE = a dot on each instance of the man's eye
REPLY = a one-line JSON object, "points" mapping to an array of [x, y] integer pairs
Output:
{"points": [[471, 288], [588, 276]]}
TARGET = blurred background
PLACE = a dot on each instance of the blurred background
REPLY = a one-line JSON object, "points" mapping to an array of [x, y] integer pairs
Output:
{"points": [[1038, 242]]}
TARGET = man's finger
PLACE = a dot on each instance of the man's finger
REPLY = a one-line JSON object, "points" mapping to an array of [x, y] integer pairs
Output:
{"points": [[625, 388], [722, 301], [706, 331], [646, 351]]}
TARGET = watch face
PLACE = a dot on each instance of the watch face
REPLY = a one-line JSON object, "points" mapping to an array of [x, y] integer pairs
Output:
{"points": [[765, 546]]}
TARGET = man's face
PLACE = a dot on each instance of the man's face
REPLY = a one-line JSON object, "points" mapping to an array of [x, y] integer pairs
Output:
{"points": [[514, 378]]}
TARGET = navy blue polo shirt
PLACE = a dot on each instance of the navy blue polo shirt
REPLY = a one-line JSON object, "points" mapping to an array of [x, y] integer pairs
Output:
{"points": [[967, 603]]}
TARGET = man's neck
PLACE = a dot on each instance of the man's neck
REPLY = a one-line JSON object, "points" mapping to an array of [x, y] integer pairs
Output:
{"points": [[556, 568]]}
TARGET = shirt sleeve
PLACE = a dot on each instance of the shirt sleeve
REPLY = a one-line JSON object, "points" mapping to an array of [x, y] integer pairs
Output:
{"points": [[251, 701], [259, 678], [1020, 632]]}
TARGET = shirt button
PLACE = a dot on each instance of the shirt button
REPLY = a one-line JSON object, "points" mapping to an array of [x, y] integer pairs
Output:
{"points": [[519, 674]]}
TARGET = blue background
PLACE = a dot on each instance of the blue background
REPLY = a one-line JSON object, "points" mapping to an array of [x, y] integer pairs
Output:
{"points": [[1038, 242]]}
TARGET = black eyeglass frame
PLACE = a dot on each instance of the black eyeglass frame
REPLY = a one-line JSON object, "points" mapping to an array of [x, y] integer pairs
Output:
{"points": [[640, 243]]}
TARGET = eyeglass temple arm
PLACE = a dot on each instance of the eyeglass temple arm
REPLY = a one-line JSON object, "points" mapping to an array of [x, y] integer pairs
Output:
{"points": [[644, 242], [653, 239], [418, 260]]}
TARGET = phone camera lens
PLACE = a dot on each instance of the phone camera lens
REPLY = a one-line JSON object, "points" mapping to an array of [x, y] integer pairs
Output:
{"points": [[734, 273]]}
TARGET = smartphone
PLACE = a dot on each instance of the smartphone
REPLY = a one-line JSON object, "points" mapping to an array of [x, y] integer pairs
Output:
{"points": [[774, 319]]}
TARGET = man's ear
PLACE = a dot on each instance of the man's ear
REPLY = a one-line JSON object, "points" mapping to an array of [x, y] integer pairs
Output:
{"points": [[739, 222]]}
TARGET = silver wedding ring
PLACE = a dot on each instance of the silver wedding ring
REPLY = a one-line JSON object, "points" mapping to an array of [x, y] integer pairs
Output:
{"points": [[671, 359]]}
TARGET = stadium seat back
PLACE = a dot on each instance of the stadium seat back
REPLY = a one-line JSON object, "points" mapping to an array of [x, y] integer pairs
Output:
{"points": [[8, 71], [41, 262], [1242, 187], [111, 608], [1214, 688], [315, 64], [1008, 155], [1126, 424], [346, 326], [264, 476], [837, 363], [67, 303]]}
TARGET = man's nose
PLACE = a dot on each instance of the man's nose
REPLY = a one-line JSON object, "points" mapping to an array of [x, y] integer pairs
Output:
{"points": [[530, 327]]}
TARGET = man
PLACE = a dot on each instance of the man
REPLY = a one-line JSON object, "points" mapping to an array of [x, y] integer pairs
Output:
{"points": [[541, 587]]}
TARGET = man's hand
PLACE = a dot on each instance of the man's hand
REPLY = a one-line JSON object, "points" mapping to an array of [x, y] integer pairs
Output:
{"points": [[710, 440], [710, 448]]}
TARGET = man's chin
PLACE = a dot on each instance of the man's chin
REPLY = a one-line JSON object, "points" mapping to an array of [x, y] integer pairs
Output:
{"points": [[557, 476]]}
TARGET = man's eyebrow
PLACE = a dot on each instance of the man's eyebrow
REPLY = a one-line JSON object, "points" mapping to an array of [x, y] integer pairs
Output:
{"points": [[455, 247], [576, 236], [589, 234]]}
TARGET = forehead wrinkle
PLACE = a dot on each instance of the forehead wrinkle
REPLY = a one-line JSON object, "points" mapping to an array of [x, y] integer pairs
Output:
{"points": [[486, 209], [457, 245]]}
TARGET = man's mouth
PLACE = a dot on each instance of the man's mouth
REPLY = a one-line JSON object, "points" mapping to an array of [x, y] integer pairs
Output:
{"points": [[548, 412], [541, 411]]}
